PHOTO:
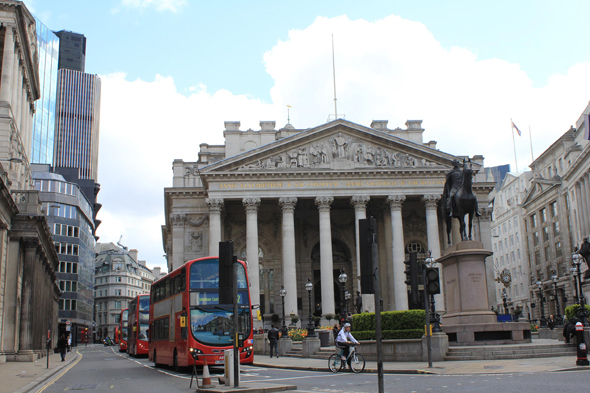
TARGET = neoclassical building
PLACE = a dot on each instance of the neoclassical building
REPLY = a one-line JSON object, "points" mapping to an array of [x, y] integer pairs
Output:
{"points": [[290, 199]]}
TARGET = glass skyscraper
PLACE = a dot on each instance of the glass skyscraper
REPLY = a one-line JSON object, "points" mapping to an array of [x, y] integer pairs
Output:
{"points": [[44, 118]]}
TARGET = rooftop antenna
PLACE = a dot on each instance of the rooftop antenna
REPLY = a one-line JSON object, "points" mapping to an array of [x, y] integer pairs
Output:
{"points": [[288, 114], [334, 76]]}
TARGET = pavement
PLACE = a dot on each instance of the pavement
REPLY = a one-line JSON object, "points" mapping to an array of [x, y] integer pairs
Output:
{"points": [[25, 377]]}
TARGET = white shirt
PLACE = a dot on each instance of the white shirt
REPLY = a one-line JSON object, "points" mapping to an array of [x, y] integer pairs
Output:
{"points": [[345, 336]]}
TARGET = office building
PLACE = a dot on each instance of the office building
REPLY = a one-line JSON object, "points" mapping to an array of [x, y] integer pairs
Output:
{"points": [[72, 51], [44, 118]]}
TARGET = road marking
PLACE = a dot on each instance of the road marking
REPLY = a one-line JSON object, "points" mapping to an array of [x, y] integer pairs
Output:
{"points": [[309, 376], [60, 375]]}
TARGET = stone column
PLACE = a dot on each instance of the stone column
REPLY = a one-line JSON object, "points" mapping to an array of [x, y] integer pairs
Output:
{"points": [[582, 213], [251, 205], [432, 233], [177, 230], [267, 291], [215, 205], [15, 76], [326, 261], [399, 253], [360, 212], [587, 194], [16, 111], [26, 317], [7, 65], [289, 270]]}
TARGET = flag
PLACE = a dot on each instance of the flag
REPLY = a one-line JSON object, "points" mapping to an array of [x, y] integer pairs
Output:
{"points": [[516, 128]]}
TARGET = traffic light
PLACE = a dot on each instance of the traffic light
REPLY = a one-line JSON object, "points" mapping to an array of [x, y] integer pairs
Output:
{"points": [[366, 232], [432, 280], [412, 277]]}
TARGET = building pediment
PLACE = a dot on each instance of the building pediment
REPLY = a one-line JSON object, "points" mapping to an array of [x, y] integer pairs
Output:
{"points": [[336, 146], [540, 187]]}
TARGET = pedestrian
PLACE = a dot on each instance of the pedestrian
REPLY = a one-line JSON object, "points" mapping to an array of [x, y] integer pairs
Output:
{"points": [[551, 322], [69, 343], [62, 345], [336, 330], [569, 329], [273, 339]]}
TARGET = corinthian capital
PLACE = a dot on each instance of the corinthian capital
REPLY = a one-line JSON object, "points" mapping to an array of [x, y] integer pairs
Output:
{"points": [[288, 204], [395, 201], [215, 205], [323, 203], [359, 202], [251, 204], [431, 201]]}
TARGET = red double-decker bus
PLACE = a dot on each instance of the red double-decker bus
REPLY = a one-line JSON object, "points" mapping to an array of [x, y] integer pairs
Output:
{"points": [[185, 316], [137, 329], [122, 334]]}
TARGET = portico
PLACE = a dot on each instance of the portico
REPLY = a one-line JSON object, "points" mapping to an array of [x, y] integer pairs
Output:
{"points": [[292, 208]]}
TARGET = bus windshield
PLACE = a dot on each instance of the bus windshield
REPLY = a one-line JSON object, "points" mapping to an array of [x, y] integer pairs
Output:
{"points": [[143, 328], [205, 275], [214, 326]]}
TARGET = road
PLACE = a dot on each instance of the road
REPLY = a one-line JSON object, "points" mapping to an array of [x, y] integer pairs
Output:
{"points": [[104, 368]]}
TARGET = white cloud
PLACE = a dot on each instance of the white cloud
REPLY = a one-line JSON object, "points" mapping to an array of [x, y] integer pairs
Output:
{"points": [[389, 69], [159, 5]]}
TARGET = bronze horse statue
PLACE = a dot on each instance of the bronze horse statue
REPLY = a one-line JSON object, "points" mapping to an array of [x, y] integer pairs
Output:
{"points": [[463, 202], [584, 251]]}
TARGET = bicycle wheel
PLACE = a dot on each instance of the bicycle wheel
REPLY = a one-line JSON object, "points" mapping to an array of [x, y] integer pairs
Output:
{"points": [[335, 363], [357, 363]]}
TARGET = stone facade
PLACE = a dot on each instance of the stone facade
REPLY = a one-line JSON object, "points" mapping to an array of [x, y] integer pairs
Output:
{"points": [[290, 200], [119, 277], [28, 288]]}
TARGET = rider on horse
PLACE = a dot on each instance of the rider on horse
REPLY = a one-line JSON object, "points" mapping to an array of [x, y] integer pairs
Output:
{"points": [[452, 184]]}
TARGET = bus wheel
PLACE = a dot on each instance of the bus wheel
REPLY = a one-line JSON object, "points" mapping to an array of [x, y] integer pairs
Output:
{"points": [[156, 365], [175, 362]]}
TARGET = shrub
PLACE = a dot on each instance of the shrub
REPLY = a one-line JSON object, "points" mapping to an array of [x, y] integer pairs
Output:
{"points": [[294, 318], [316, 321], [390, 320], [329, 317], [534, 328], [390, 334], [570, 311]]}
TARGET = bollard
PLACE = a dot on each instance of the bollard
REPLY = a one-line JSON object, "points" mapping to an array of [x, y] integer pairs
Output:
{"points": [[582, 352]]}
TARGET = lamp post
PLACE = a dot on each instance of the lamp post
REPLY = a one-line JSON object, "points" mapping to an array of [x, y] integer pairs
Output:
{"points": [[282, 294], [310, 327], [542, 320], [574, 272], [342, 278], [347, 297], [434, 317], [558, 318], [581, 313], [505, 301]]}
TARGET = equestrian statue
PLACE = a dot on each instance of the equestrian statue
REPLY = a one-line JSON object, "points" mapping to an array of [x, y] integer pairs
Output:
{"points": [[458, 199], [585, 253]]}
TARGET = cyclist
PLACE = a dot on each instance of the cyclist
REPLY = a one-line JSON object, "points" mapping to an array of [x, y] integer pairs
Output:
{"points": [[345, 340]]}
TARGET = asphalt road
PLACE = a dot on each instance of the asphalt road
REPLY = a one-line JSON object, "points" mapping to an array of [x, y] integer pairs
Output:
{"points": [[104, 368]]}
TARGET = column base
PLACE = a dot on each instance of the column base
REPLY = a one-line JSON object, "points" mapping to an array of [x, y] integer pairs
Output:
{"points": [[26, 356], [310, 346], [439, 345], [368, 302], [285, 345]]}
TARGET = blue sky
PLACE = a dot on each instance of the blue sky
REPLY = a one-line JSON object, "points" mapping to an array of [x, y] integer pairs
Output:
{"points": [[173, 70], [221, 43]]}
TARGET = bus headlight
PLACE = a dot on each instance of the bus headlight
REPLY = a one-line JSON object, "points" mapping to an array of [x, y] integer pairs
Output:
{"points": [[195, 352]]}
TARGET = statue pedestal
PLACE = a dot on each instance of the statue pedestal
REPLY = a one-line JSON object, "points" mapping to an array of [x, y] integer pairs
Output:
{"points": [[468, 320]]}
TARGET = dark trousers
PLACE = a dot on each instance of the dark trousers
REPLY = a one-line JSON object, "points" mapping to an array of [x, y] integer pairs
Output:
{"points": [[62, 352], [274, 344], [345, 351]]}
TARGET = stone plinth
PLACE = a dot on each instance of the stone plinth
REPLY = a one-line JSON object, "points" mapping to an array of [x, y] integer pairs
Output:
{"points": [[285, 345], [310, 346], [468, 320]]}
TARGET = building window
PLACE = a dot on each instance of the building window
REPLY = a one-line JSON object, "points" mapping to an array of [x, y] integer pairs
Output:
{"points": [[556, 228], [536, 238], [558, 250], [117, 292], [68, 267], [117, 305], [554, 209], [534, 220], [545, 234], [543, 215], [118, 279]]}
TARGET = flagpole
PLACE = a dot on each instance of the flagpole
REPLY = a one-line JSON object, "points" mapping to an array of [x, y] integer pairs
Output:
{"points": [[514, 144], [531, 140]]}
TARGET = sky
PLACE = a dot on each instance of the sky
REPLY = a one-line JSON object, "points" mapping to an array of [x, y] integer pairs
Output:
{"points": [[173, 71]]}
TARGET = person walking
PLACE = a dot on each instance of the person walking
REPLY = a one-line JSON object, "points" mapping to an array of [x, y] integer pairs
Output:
{"points": [[273, 338], [62, 345]]}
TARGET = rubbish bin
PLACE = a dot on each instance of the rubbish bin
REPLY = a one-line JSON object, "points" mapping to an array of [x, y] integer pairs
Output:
{"points": [[324, 336]]}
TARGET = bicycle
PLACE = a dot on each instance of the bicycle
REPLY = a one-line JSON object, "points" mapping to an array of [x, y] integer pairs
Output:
{"points": [[357, 361]]}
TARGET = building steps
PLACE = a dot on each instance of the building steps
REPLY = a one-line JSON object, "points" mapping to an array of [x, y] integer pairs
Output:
{"points": [[522, 351]]}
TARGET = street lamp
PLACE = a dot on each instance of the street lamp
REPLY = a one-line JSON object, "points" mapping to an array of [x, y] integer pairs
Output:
{"points": [[581, 313], [542, 320], [342, 278], [574, 272], [347, 297], [558, 318], [310, 327], [282, 294], [434, 317]]}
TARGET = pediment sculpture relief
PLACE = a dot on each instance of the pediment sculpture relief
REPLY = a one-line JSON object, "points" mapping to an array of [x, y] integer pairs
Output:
{"points": [[339, 148]]}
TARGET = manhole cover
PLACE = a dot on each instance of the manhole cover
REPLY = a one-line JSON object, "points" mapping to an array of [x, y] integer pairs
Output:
{"points": [[85, 386]]}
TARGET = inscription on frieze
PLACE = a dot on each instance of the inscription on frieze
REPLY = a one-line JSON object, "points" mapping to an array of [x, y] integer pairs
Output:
{"points": [[328, 184]]}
